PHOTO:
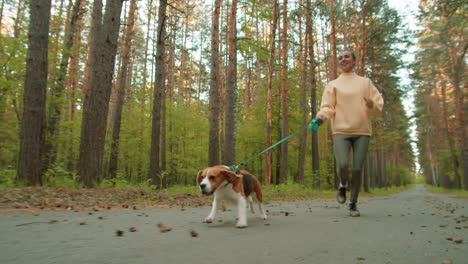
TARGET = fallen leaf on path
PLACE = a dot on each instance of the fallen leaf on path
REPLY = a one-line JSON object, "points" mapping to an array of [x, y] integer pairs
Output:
{"points": [[447, 262], [83, 223], [449, 238], [163, 228], [361, 258], [458, 241], [119, 233], [132, 229], [53, 221], [193, 233]]}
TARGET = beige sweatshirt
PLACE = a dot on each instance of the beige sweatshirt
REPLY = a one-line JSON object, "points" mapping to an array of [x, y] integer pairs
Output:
{"points": [[343, 102]]}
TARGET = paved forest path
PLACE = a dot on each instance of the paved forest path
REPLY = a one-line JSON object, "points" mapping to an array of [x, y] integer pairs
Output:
{"points": [[411, 227]]}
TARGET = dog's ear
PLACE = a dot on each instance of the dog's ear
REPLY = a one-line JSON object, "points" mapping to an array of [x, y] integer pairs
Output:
{"points": [[199, 176], [230, 176]]}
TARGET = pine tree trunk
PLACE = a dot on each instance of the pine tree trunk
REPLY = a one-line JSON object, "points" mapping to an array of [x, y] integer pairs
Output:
{"points": [[448, 134], [72, 85], [122, 81], [313, 94], [231, 91], [160, 77], [145, 72], [334, 69], [2, 5], [213, 148], [96, 103], [19, 18], [366, 172], [284, 97], [171, 64], [303, 101], [362, 53], [268, 169], [164, 181], [32, 133], [465, 155], [58, 88], [397, 163]]}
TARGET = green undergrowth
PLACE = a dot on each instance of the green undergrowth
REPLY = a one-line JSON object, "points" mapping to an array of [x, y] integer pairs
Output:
{"points": [[386, 190], [455, 192]]}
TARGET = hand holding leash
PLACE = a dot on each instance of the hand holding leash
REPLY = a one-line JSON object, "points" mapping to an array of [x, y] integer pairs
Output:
{"points": [[315, 124]]}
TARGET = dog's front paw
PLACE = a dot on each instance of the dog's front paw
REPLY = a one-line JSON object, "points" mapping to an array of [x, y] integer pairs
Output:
{"points": [[208, 220], [241, 224]]}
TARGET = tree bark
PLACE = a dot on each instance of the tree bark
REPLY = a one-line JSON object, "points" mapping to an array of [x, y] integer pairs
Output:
{"points": [[362, 53], [283, 174], [334, 70], [268, 169], [56, 93], [448, 134], [145, 72], [96, 103], [213, 151], [303, 101], [313, 94], [160, 78], [2, 5], [19, 18], [122, 81], [231, 91], [284, 97], [32, 133]]}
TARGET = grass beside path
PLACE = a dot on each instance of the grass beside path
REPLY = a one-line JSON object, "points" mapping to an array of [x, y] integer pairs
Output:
{"points": [[454, 193]]}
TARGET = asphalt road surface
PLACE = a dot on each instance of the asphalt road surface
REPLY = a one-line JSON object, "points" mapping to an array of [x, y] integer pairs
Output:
{"points": [[411, 227]]}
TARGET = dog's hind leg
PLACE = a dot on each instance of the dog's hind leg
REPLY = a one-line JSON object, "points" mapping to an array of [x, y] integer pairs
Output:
{"points": [[251, 205], [262, 211]]}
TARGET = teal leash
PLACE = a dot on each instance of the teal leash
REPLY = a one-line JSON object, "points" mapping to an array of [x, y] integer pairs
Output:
{"points": [[235, 167]]}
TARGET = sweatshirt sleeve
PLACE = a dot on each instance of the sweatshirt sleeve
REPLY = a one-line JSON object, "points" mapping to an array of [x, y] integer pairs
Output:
{"points": [[327, 107], [376, 97]]}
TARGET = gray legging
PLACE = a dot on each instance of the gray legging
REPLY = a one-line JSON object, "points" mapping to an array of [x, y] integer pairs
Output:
{"points": [[342, 144]]}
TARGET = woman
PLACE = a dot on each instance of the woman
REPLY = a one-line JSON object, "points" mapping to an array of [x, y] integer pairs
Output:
{"points": [[348, 102]]}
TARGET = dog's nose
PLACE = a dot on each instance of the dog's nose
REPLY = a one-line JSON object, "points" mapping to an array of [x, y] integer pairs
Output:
{"points": [[202, 186]]}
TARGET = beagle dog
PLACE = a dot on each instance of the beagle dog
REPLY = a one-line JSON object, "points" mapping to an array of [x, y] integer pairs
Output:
{"points": [[236, 188]]}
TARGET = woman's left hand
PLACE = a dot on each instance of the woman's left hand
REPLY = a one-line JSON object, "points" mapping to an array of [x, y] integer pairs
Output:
{"points": [[369, 103]]}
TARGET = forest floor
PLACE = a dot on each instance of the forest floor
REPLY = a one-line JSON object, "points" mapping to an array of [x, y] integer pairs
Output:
{"points": [[37, 199], [412, 226]]}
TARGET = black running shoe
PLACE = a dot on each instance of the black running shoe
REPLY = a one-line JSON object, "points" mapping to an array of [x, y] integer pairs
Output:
{"points": [[353, 211], [341, 195]]}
